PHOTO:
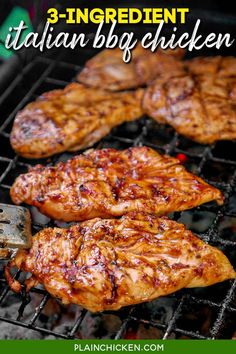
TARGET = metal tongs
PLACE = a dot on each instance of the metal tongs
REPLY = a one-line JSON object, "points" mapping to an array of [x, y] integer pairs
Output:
{"points": [[15, 229]]}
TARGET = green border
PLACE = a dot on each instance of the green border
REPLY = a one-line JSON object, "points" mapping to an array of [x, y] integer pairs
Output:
{"points": [[118, 346]]}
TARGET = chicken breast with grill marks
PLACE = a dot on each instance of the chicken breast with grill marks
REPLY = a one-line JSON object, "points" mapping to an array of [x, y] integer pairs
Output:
{"points": [[71, 119], [198, 99], [107, 264], [110, 183], [107, 69]]}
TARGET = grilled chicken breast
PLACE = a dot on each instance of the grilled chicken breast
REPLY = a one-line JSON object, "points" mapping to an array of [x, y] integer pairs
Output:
{"points": [[197, 99], [107, 264], [107, 69], [108, 183], [71, 119]]}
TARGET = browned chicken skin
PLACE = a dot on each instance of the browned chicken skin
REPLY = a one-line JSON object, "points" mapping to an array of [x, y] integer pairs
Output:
{"points": [[197, 99], [71, 119], [110, 183], [107, 264], [107, 69]]}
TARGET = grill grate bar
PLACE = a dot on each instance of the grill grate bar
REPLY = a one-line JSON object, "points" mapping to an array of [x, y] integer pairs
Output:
{"points": [[9, 167], [5, 186], [53, 81], [171, 147], [15, 82], [148, 322], [219, 321], [27, 96], [7, 288], [123, 328], [35, 328], [5, 135], [120, 333], [204, 158], [39, 309], [174, 318], [4, 293], [190, 334], [78, 322]]}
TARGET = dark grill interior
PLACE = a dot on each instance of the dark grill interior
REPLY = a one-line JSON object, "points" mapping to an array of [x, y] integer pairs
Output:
{"points": [[205, 313]]}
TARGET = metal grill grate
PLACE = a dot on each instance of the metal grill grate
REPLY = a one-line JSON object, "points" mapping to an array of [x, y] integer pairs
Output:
{"points": [[216, 164]]}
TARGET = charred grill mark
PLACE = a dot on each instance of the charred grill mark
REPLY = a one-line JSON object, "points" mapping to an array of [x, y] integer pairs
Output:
{"points": [[83, 189], [122, 263], [114, 287], [60, 122], [40, 198], [196, 101], [108, 183]]}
